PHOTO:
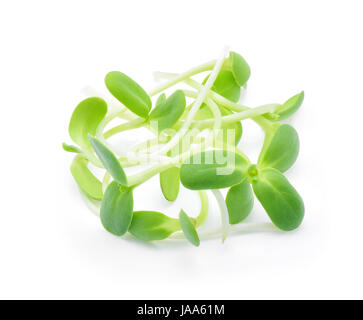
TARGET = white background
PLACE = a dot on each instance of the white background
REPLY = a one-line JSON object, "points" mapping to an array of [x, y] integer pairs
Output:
{"points": [[51, 246]]}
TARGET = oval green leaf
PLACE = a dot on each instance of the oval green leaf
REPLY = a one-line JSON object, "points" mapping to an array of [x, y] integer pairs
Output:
{"points": [[85, 179], [239, 67], [287, 109], [170, 183], [214, 169], [279, 198], [116, 209], [188, 228], [226, 85], [85, 120], [152, 225], [160, 99], [129, 93], [239, 202], [109, 161], [168, 112], [282, 150]]}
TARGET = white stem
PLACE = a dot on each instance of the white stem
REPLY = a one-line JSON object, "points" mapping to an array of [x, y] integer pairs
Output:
{"points": [[239, 228], [216, 115], [142, 176], [239, 116], [224, 213]]}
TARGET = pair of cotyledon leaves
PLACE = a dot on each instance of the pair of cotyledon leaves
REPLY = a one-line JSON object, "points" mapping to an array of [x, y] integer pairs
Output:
{"points": [[134, 97], [85, 120], [118, 216], [234, 74], [218, 169], [88, 115], [170, 178], [151, 225]]}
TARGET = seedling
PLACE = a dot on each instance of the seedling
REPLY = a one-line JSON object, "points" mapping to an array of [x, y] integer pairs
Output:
{"points": [[197, 132]]}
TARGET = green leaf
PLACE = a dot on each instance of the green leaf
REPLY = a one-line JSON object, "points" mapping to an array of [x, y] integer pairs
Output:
{"points": [[85, 120], [170, 183], [287, 109], [214, 169], [168, 112], [116, 209], [151, 225], [239, 68], [282, 150], [70, 148], [239, 202], [109, 161], [161, 99], [129, 93], [205, 113], [188, 228], [225, 85], [279, 198], [85, 179]]}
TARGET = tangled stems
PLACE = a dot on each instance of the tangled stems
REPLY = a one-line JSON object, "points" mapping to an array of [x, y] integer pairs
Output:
{"points": [[201, 68], [198, 102], [183, 134], [254, 114]]}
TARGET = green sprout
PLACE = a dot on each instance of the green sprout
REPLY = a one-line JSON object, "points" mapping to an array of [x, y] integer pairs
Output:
{"points": [[196, 132]]}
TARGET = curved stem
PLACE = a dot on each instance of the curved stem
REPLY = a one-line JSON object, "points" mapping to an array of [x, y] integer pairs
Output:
{"points": [[234, 229], [216, 114], [215, 96], [204, 208], [236, 117], [262, 122], [145, 175], [201, 68], [224, 213], [132, 124]]}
